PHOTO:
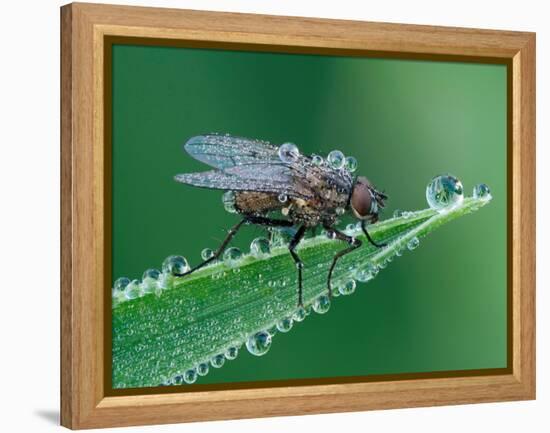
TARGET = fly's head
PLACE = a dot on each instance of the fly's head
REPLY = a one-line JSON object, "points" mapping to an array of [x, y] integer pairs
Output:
{"points": [[366, 201]]}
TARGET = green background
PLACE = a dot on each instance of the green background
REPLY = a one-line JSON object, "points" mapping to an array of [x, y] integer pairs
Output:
{"points": [[442, 307]]}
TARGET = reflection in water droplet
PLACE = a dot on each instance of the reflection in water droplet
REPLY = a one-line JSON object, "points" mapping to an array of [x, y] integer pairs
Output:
{"points": [[207, 253], [444, 192], [259, 343], [231, 256], [177, 380], [282, 198], [413, 243], [350, 164], [348, 287], [288, 152], [482, 191], [217, 361], [231, 353], [133, 290], [321, 304], [175, 265], [285, 325], [203, 369], [190, 376], [228, 200], [336, 159], [260, 248]]}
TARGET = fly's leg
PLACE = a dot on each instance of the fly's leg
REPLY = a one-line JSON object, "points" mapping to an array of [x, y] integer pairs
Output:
{"points": [[291, 247], [364, 228], [299, 264], [353, 244], [232, 232]]}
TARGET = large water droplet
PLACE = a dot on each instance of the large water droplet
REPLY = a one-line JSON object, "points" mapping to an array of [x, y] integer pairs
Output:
{"points": [[299, 315], [150, 279], [285, 325], [174, 265], [133, 290], [350, 164], [321, 304], [366, 273], [413, 243], [444, 192], [203, 369], [340, 211], [288, 152], [348, 287], [231, 256], [482, 192], [207, 253], [228, 200], [260, 248], [120, 284], [336, 159], [259, 343], [190, 376], [217, 361], [231, 353]]}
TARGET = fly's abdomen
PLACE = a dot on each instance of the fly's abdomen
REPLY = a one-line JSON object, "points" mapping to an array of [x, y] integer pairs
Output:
{"points": [[251, 202]]}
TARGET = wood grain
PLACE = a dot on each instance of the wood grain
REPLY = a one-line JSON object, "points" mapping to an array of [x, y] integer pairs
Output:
{"points": [[83, 233]]}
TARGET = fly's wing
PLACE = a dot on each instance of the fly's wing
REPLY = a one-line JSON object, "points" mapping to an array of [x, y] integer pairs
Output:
{"points": [[274, 178], [224, 151], [254, 165]]}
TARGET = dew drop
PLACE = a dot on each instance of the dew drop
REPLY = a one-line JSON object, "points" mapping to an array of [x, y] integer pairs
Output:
{"points": [[259, 343], [340, 211], [350, 228], [348, 287], [288, 152], [217, 361], [321, 304], [285, 325], [203, 369], [413, 243], [231, 353], [228, 200], [482, 192], [190, 376], [283, 198], [120, 284], [336, 159], [366, 273], [150, 280], [330, 234], [350, 164], [133, 290], [175, 265], [299, 315], [260, 248], [397, 213], [382, 265], [207, 253], [177, 380], [231, 256], [317, 160], [444, 192]]}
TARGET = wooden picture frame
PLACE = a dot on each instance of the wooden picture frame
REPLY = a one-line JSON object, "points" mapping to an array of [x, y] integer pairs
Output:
{"points": [[84, 206]]}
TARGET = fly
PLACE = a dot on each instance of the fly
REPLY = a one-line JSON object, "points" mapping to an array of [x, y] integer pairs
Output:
{"points": [[263, 179]]}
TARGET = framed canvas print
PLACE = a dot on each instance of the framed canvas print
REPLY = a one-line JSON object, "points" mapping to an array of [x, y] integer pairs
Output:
{"points": [[268, 216]]}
